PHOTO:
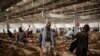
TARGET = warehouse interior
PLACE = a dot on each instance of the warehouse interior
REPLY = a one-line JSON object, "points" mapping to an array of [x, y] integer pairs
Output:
{"points": [[33, 15]]}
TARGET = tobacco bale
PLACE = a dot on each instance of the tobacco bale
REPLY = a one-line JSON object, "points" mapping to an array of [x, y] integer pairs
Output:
{"points": [[8, 51], [94, 52]]}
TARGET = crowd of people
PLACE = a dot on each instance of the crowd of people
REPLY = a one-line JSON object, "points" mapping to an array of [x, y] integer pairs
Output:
{"points": [[47, 38]]}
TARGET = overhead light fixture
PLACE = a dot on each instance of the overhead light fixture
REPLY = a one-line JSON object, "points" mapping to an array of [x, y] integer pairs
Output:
{"points": [[88, 17], [7, 10], [84, 17], [98, 14], [26, 1], [21, 19], [56, 15]]}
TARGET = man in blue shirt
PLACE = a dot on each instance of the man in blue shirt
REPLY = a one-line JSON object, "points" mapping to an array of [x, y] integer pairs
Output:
{"points": [[70, 33]]}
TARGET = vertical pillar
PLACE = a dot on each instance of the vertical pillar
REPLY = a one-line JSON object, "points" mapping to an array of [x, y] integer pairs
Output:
{"points": [[43, 15], [99, 22], [8, 26], [98, 26], [75, 23], [47, 20], [75, 20]]}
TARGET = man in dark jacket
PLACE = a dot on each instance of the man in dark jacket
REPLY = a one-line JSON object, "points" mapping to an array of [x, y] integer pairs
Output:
{"points": [[82, 41], [47, 38], [21, 36]]}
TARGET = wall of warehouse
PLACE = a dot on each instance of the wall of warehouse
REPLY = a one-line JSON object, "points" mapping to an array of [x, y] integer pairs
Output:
{"points": [[34, 26]]}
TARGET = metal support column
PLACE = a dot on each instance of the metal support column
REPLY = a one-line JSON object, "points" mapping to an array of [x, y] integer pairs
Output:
{"points": [[8, 26], [75, 23]]}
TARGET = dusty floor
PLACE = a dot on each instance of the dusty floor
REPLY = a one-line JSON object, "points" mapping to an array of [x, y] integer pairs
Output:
{"points": [[9, 47]]}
